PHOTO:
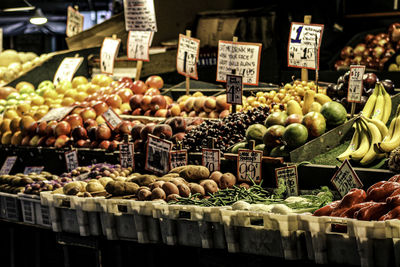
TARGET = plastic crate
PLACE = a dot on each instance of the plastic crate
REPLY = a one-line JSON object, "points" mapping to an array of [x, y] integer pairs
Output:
{"points": [[33, 211], [167, 228], [92, 206], [11, 206], [148, 227]]}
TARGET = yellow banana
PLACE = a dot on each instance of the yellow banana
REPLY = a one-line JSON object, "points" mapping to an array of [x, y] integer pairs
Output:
{"points": [[387, 109], [394, 142], [379, 105], [381, 126], [369, 106], [322, 99], [354, 143], [373, 152], [389, 135], [364, 145]]}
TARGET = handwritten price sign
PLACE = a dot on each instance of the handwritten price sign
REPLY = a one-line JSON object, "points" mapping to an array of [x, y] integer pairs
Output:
{"points": [[178, 158], [71, 160], [127, 155], [8, 164], [288, 176], [211, 159], [33, 169], [234, 89], [67, 69], [304, 43], [187, 56], [112, 118], [249, 165], [346, 178], [56, 114], [157, 154], [354, 92], [138, 45], [140, 15], [74, 22], [108, 53]]}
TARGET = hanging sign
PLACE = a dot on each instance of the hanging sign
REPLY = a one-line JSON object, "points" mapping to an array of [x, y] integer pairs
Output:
{"points": [[33, 169], [140, 15], [67, 69], [108, 53], [138, 46], [187, 56], [111, 118], [74, 22]]}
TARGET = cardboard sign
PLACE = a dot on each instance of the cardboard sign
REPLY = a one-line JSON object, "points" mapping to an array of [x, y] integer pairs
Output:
{"points": [[138, 45], [240, 59], [290, 179], [345, 178], [187, 56], [178, 158], [127, 155], [157, 154], [57, 114], [140, 15], [74, 22], [8, 165], [303, 46], [67, 69], [108, 53], [234, 89], [71, 160], [211, 159], [355, 88], [111, 118], [249, 165], [33, 169]]}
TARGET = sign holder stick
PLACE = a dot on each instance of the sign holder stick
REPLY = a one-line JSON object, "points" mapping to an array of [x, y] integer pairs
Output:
{"points": [[234, 39], [139, 66], [304, 72], [353, 109], [188, 34]]}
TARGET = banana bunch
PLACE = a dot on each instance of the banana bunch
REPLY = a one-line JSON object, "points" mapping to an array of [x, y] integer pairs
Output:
{"points": [[379, 104], [392, 139], [363, 148]]}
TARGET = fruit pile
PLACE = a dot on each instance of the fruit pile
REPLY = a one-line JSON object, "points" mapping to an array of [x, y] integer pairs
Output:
{"points": [[32, 183]]}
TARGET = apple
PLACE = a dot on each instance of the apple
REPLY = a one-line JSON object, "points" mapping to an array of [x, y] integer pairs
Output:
{"points": [[89, 123], [125, 94], [157, 102], [161, 113], [359, 49], [100, 108], [125, 127], [103, 132], [135, 101], [145, 103], [369, 80], [346, 52], [25, 140], [42, 141], [148, 113], [152, 92], [139, 87], [50, 129], [378, 51], [210, 104], [114, 101], [163, 131], [78, 80], [62, 128], [31, 130], [82, 143], [223, 114], [137, 112], [155, 82], [136, 129], [46, 84], [105, 144], [61, 141], [79, 132], [74, 120], [88, 113], [146, 130], [24, 84], [113, 145], [41, 129], [91, 132], [175, 110], [178, 137]]}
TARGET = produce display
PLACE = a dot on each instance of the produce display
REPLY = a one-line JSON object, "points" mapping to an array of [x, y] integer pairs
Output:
{"points": [[32, 183]]}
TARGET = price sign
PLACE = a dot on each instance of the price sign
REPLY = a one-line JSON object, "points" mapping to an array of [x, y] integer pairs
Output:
{"points": [[138, 45], [249, 165], [178, 158], [56, 114], [111, 118], [288, 176], [67, 69], [355, 89], [187, 56], [108, 52], [33, 169], [140, 15], [240, 59], [127, 155], [71, 160], [157, 154], [8, 164], [234, 89], [304, 43], [74, 22], [211, 159], [345, 178]]}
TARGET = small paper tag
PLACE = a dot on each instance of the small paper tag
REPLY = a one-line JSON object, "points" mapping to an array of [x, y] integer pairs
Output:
{"points": [[355, 88], [345, 178], [108, 53], [71, 160], [211, 159], [178, 158], [234, 89], [157, 154], [127, 155], [8, 165], [249, 164], [290, 178], [35, 169]]}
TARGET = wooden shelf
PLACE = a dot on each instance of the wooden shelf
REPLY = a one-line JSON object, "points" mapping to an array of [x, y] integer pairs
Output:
{"points": [[373, 15]]}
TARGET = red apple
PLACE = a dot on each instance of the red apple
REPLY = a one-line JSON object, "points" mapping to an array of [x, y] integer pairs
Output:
{"points": [[152, 91], [223, 114], [136, 129], [178, 137], [155, 82], [125, 127], [88, 113], [25, 140], [50, 128], [137, 112], [41, 129], [148, 129], [62, 128], [139, 87], [91, 132], [82, 143], [103, 132], [125, 94], [79, 133], [104, 144], [50, 141], [77, 110], [161, 113], [163, 131], [74, 120], [158, 102], [114, 101], [145, 103], [113, 145], [100, 108], [89, 123], [135, 101], [61, 141]]}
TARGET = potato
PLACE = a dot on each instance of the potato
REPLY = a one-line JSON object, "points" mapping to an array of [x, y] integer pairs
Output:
{"points": [[105, 180], [210, 186], [196, 188], [94, 187], [156, 185], [144, 187], [178, 180], [184, 190], [227, 180], [120, 179], [131, 188], [216, 176], [158, 193], [174, 174], [72, 188], [170, 188], [178, 169], [143, 179], [144, 194], [245, 185], [195, 173], [83, 186], [58, 191], [172, 197]]}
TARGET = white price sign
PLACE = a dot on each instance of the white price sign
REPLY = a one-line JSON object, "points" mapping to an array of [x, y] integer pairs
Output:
{"points": [[178, 158], [157, 154], [33, 169], [240, 59], [8, 164], [345, 178], [108, 53], [74, 22], [71, 160], [187, 56], [112, 118], [138, 45], [249, 165], [355, 88], [127, 155], [57, 114], [211, 159], [140, 15], [304, 44], [288, 176], [234, 89], [67, 69]]}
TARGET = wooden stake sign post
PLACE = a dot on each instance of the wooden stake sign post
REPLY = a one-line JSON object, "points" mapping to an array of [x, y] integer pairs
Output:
{"points": [[138, 45], [108, 53], [304, 72], [355, 89]]}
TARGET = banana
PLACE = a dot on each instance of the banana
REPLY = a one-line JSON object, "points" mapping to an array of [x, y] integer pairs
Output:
{"points": [[381, 126], [354, 143], [364, 145], [387, 109], [379, 105], [389, 135], [369, 106], [394, 142], [322, 99], [373, 152]]}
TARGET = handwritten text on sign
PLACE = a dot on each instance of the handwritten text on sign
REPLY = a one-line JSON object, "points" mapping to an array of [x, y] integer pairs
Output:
{"points": [[138, 45], [109, 50], [355, 89], [211, 159], [288, 176], [178, 158], [187, 56], [8, 164], [112, 118], [74, 22], [345, 178], [304, 43], [56, 114], [249, 165], [157, 154], [33, 169], [140, 15], [127, 155], [67, 69], [240, 59], [71, 160], [234, 89]]}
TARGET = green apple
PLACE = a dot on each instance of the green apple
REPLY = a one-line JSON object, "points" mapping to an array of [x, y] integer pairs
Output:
{"points": [[40, 91], [22, 97], [26, 90], [13, 95], [3, 102], [12, 102], [46, 83]]}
